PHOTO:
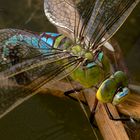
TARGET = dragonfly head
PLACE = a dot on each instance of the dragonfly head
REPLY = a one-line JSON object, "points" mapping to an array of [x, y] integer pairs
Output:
{"points": [[114, 89], [122, 91]]}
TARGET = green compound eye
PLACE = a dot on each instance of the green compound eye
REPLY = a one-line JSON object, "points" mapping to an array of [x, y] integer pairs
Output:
{"points": [[120, 77], [107, 92]]}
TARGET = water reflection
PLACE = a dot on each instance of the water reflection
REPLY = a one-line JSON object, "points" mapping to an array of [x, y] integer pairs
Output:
{"points": [[45, 117]]}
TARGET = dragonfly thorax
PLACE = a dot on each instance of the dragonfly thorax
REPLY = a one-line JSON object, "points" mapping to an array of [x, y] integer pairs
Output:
{"points": [[80, 52], [93, 69]]}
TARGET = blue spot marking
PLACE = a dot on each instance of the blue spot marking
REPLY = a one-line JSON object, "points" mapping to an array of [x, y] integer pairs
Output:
{"points": [[100, 56], [124, 93], [50, 41], [13, 40], [34, 42], [53, 34], [90, 65], [44, 39]]}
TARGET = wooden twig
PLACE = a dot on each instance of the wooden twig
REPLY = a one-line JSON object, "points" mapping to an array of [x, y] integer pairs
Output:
{"points": [[110, 130], [131, 106]]}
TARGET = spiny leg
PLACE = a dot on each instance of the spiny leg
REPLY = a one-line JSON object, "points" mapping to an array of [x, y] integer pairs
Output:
{"points": [[91, 118], [67, 93], [111, 116], [93, 111]]}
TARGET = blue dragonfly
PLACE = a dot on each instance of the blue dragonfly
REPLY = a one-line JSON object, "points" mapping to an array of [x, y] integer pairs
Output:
{"points": [[29, 61]]}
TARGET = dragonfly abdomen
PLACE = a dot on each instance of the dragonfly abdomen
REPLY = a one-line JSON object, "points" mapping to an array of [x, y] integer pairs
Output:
{"points": [[43, 43], [56, 40]]}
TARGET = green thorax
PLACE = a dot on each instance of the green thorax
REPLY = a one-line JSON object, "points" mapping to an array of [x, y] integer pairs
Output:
{"points": [[92, 72]]}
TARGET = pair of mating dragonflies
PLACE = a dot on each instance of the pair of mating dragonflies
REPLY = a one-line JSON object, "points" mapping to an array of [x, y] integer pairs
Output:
{"points": [[28, 60]]}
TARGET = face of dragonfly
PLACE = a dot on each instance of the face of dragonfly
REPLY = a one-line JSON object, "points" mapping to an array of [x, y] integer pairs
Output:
{"points": [[27, 63]]}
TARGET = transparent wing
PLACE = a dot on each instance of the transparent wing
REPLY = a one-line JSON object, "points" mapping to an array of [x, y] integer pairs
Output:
{"points": [[61, 13], [65, 14], [27, 64], [90, 21], [106, 18]]}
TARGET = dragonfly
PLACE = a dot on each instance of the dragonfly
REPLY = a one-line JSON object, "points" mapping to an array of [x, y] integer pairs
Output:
{"points": [[29, 61]]}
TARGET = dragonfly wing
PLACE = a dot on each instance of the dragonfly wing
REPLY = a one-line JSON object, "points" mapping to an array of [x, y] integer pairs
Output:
{"points": [[11, 95], [106, 18], [65, 14], [61, 13], [26, 70], [94, 21]]}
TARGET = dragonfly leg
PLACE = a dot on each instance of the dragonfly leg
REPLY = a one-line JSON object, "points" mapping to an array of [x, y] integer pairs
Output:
{"points": [[67, 93], [111, 116], [91, 118], [93, 111]]}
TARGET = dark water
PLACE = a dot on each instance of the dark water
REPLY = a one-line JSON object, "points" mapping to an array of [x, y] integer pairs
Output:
{"points": [[128, 38], [46, 117]]}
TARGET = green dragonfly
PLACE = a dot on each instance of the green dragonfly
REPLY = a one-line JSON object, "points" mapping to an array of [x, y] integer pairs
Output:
{"points": [[30, 61]]}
